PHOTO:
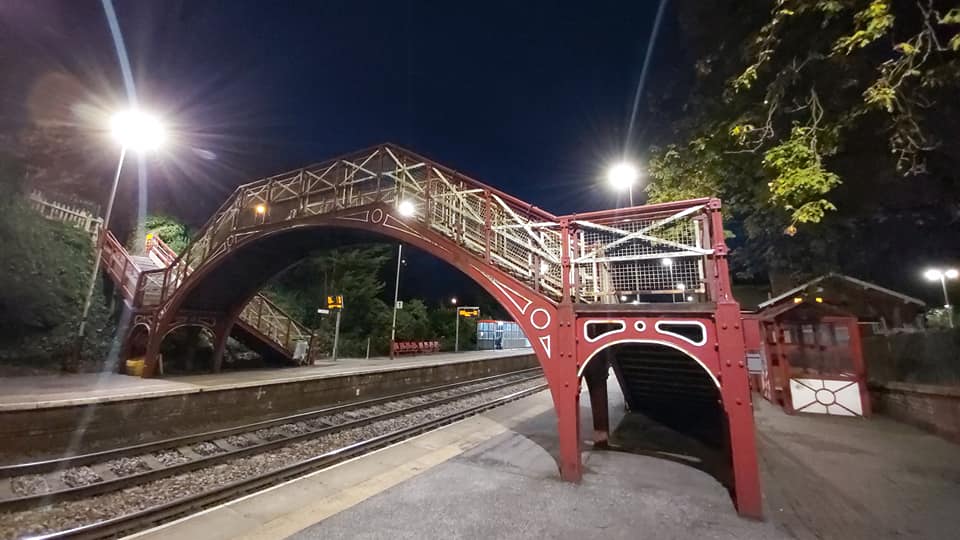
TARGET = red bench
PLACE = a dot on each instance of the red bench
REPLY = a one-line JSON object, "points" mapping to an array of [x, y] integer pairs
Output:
{"points": [[415, 347]]}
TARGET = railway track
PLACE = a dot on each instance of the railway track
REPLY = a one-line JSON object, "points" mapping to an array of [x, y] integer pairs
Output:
{"points": [[357, 428]]}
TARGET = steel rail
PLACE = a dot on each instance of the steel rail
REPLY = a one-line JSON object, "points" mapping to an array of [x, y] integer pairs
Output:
{"points": [[51, 465], [166, 511], [202, 461]]}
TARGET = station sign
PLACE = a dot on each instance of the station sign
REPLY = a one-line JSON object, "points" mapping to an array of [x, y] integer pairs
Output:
{"points": [[335, 302], [469, 312]]}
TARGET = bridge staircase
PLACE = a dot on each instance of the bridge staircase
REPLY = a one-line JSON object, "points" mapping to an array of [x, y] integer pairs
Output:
{"points": [[261, 325]]}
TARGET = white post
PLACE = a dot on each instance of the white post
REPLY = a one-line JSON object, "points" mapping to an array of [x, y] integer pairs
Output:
{"points": [[456, 343], [396, 292], [946, 298], [336, 335]]}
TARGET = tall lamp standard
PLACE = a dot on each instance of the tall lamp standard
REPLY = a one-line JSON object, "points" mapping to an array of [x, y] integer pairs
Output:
{"points": [[396, 298], [133, 130], [935, 274], [622, 176], [405, 208]]}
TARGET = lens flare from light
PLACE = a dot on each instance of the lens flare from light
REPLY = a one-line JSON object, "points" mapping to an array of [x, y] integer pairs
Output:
{"points": [[623, 175], [137, 130], [406, 208]]}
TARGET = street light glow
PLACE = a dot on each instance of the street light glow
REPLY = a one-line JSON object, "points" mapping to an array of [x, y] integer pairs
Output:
{"points": [[406, 208], [137, 130], [261, 209], [623, 175], [952, 273], [453, 300], [666, 261], [933, 274]]}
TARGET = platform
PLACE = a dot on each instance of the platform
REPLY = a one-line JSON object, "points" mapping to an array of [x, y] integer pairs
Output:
{"points": [[490, 476], [493, 476], [44, 391]]}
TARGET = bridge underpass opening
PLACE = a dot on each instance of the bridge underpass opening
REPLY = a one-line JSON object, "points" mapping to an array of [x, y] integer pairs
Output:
{"points": [[226, 285], [675, 406]]}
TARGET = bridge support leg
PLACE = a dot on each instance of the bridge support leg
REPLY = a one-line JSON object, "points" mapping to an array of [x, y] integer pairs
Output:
{"points": [[565, 386], [151, 357], [596, 375], [567, 403], [220, 336], [739, 408]]}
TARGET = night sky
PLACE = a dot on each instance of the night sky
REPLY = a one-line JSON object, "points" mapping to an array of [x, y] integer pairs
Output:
{"points": [[531, 97]]}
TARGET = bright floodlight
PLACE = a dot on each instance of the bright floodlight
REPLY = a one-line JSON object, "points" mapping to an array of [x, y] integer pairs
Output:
{"points": [[952, 273], [623, 175], [666, 261], [453, 300], [406, 208], [137, 130], [933, 274]]}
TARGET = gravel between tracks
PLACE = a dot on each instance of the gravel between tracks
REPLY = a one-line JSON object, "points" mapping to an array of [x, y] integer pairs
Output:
{"points": [[70, 514]]}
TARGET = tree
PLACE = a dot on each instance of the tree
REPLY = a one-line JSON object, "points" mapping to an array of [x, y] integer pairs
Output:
{"points": [[813, 120], [413, 321], [169, 229]]}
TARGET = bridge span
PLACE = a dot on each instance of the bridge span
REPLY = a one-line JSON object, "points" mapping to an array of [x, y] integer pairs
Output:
{"points": [[591, 291]]}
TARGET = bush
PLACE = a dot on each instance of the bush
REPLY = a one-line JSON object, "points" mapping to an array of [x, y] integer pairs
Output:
{"points": [[44, 271]]}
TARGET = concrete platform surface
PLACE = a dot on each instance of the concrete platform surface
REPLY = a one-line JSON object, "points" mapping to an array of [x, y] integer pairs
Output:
{"points": [[19, 393], [490, 476], [493, 476], [841, 477]]}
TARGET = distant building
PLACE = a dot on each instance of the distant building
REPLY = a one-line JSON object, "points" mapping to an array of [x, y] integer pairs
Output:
{"points": [[878, 310]]}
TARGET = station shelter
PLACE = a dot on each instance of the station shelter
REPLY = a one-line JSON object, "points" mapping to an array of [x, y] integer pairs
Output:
{"points": [[805, 355], [493, 335]]}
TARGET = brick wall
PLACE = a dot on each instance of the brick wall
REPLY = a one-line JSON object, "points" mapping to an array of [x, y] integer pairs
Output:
{"points": [[931, 407]]}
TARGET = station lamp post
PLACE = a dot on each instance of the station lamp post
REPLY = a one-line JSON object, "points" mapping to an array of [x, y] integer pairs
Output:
{"points": [[132, 130], [936, 274], [622, 176], [396, 298]]}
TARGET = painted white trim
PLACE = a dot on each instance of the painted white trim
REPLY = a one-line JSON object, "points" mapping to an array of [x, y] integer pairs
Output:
{"points": [[535, 325], [703, 327], [640, 326], [586, 326], [654, 342]]}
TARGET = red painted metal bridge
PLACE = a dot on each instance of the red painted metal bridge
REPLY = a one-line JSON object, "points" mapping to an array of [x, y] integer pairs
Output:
{"points": [[644, 290]]}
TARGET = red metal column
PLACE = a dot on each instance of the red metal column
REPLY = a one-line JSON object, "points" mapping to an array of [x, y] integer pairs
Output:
{"points": [[566, 393], [735, 390], [566, 382], [734, 385], [596, 375], [152, 355]]}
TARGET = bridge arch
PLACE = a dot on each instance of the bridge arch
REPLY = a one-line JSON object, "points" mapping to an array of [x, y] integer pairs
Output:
{"points": [[671, 385], [225, 282]]}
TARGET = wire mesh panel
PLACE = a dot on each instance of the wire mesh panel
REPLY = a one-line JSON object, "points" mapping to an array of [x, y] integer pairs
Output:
{"points": [[658, 254]]}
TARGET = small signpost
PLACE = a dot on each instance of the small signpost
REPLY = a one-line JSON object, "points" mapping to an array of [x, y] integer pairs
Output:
{"points": [[335, 303], [464, 311]]}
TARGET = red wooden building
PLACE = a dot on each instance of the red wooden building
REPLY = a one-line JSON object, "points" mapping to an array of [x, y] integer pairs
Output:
{"points": [[806, 357]]}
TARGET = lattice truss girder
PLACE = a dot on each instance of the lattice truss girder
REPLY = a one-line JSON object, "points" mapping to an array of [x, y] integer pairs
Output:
{"points": [[607, 257]]}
